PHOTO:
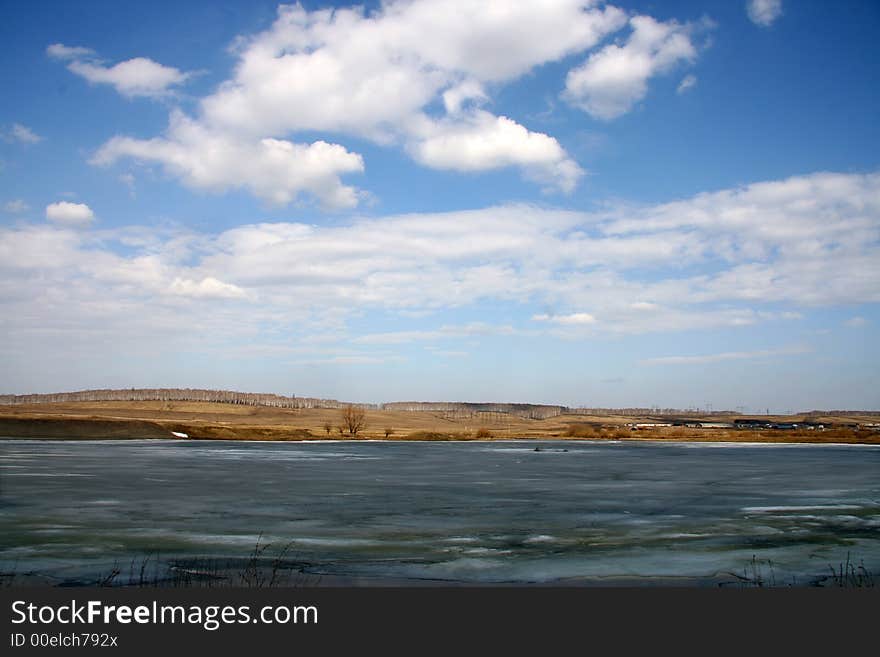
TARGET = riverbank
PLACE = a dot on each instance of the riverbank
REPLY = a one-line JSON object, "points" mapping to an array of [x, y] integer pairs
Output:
{"points": [[262, 571], [211, 421]]}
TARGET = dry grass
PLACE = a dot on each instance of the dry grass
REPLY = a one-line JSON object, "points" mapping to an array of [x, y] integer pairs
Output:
{"points": [[229, 421], [597, 432], [437, 435]]}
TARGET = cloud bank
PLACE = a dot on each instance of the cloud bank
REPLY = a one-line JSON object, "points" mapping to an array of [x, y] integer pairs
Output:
{"points": [[728, 258]]}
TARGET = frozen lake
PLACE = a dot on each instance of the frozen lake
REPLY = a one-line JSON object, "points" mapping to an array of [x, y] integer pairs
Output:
{"points": [[473, 512]]}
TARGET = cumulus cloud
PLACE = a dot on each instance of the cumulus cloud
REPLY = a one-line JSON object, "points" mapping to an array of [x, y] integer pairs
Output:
{"points": [[469, 91], [856, 322], [615, 78], [75, 215], [422, 88], [764, 12], [322, 70], [483, 141], [139, 76], [274, 170], [134, 77], [21, 134]]}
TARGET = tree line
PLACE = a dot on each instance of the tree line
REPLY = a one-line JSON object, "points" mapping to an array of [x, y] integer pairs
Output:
{"points": [[179, 395], [453, 410]]}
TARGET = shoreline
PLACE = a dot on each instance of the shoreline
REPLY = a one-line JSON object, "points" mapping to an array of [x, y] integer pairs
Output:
{"points": [[318, 580], [490, 441], [199, 572]]}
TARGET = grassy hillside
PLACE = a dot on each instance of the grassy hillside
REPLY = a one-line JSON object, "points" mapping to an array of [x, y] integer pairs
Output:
{"points": [[202, 420]]}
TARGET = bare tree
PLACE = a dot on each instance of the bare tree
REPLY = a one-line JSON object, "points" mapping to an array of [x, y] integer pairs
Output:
{"points": [[328, 427], [354, 419], [388, 432]]}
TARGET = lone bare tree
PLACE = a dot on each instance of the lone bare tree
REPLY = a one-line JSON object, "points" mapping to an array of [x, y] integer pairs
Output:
{"points": [[328, 427], [354, 419]]}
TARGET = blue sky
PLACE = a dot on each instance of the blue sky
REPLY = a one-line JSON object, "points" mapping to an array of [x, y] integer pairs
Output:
{"points": [[669, 204]]}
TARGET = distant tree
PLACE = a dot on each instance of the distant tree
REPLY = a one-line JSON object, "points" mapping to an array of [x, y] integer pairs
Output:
{"points": [[328, 427], [354, 419], [341, 430], [388, 432]]}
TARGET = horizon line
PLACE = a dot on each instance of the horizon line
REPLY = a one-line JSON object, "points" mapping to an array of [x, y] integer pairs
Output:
{"points": [[7, 399]]}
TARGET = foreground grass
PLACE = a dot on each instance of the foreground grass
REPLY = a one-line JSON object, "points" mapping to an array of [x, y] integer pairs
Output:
{"points": [[269, 566]]}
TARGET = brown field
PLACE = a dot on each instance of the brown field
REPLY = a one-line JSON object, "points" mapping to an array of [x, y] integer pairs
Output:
{"points": [[201, 420]]}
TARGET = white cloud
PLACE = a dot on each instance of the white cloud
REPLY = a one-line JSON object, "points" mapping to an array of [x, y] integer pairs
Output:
{"points": [[764, 12], [380, 76], [22, 134], [856, 322], [615, 78], [139, 76], [456, 97], [687, 83], [207, 288], [16, 206], [729, 258], [815, 211], [70, 214], [274, 170], [482, 141], [499, 41], [134, 77], [60, 51], [729, 355], [574, 319], [322, 70]]}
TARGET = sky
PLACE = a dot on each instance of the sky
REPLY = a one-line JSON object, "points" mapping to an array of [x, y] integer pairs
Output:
{"points": [[627, 204]]}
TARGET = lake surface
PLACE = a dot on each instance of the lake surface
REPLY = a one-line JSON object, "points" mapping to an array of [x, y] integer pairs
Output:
{"points": [[473, 512]]}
